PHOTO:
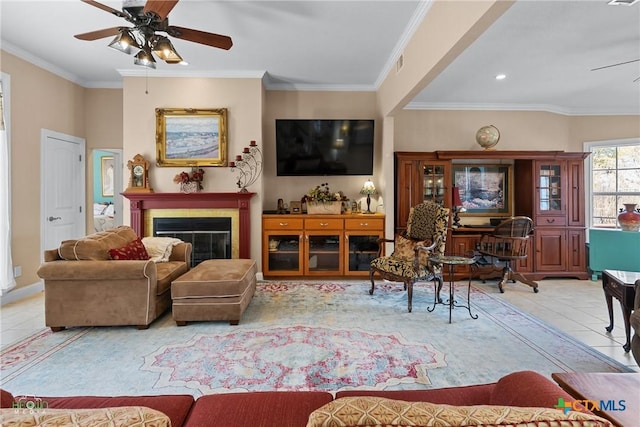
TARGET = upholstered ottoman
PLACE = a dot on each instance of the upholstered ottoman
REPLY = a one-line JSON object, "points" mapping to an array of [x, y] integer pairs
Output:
{"points": [[216, 289]]}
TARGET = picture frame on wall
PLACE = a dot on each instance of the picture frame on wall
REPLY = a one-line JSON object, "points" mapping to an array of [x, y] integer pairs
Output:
{"points": [[485, 190], [191, 137], [106, 176]]}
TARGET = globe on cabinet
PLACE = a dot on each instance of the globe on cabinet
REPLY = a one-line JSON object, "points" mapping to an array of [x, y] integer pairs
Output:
{"points": [[488, 136]]}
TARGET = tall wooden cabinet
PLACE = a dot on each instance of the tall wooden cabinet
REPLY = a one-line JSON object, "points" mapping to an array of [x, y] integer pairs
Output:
{"points": [[420, 177], [548, 188]]}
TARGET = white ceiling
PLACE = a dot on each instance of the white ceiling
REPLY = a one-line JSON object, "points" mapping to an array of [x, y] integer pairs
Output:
{"points": [[546, 48]]}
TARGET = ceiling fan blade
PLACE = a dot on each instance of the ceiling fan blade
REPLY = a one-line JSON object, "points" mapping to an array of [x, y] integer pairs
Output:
{"points": [[106, 8], [159, 8], [98, 34], [196, 36], [615, 65]]}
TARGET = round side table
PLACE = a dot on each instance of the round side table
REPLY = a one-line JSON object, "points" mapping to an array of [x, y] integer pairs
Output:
{"points": [[451, 261]]}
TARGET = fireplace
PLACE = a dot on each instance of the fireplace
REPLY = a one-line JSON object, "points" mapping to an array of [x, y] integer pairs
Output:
{"points": [[234, 205], [210, 238]]}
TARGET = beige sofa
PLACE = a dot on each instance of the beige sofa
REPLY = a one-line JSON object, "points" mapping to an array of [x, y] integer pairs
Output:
{"points": [[83, 286]]}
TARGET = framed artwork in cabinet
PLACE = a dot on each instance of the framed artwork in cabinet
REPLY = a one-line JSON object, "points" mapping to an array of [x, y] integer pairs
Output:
{"points": [[485, 190]]}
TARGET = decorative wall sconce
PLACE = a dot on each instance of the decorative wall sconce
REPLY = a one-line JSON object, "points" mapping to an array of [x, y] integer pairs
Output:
{"points": [[248, 165]]}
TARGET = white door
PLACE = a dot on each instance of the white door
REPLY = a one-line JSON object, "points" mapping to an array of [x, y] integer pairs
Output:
{"points": [[62, 188]]}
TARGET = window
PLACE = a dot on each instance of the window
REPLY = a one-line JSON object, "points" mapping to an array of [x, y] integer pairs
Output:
{"points": [[614, 179]]}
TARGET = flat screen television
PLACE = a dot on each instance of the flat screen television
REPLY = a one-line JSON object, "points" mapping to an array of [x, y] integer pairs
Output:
{"points": [[324, 147]]}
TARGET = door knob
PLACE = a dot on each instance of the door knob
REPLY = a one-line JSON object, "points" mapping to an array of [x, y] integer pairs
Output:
{"points": [[52, 218]]}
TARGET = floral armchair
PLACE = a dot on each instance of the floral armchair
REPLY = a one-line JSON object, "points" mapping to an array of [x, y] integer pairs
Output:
{"points": [[426, 236]]}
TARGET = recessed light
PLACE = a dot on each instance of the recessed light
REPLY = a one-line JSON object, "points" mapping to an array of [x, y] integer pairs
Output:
{"points": [[501, 76]]}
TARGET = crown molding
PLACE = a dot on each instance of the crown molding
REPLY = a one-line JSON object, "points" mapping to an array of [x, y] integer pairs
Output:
{"points": [[23, 54]]}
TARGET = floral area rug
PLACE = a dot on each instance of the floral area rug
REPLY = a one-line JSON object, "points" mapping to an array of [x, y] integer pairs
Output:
{"points": [[310, 335]]}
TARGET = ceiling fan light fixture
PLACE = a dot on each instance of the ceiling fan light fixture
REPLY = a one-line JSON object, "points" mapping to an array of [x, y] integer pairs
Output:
{"points": [[165, 51], [622, 2], [125, 42], [145, 58]]}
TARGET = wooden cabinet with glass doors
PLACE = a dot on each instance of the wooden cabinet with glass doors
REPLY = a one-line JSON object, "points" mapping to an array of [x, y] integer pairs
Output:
{"points": [[548, 188], [420, 177], [320, 245]]}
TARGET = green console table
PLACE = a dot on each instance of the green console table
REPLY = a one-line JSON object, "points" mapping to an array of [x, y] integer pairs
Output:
{"points": [[613, 250]]}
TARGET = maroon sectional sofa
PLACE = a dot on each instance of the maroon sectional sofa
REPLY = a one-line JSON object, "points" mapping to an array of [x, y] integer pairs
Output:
{"points": [[292, 408]]}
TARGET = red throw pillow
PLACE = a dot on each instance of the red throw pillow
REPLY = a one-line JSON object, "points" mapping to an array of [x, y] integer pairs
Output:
{"points": [[133, 250]]}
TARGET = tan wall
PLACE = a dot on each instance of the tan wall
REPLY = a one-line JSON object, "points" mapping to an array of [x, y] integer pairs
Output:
{"points": [[417, 130], [39, 100], [603, 128], [241, 97], [104, 130], [315, 105]]}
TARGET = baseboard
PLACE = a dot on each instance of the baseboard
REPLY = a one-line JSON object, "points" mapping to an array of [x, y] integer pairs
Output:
{"points": [[21, 292]]}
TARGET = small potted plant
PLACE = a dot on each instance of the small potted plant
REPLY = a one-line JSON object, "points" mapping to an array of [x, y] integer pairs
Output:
{"points": [[321, 200]]}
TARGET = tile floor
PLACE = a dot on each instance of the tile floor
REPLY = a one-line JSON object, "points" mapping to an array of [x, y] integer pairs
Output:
{"points": [[576, 307]]}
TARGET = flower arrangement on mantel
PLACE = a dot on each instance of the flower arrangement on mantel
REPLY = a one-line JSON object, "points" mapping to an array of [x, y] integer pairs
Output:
{"points": [[190, 182]]}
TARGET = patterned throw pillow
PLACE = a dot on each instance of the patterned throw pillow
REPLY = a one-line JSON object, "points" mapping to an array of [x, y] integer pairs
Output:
{"points": [[403, 249], [131, 251], [124, 416], [377, 411]]}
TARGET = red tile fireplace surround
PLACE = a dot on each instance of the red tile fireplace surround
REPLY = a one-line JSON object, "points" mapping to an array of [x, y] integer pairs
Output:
{"points": [[139, 202]]}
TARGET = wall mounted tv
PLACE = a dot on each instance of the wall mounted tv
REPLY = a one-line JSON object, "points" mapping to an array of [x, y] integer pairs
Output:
{"points": [[324, 147]]}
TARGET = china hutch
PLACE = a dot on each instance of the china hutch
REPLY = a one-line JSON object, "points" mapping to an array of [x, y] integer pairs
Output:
{"points": [[546, 186]]}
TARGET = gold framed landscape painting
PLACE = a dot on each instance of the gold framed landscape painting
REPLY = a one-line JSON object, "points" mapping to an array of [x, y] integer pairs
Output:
{"points": [[485, 190], [191, 137]]}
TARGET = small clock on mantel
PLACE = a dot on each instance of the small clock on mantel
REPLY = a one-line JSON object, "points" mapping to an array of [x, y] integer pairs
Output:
{"points": [[139, 175]]}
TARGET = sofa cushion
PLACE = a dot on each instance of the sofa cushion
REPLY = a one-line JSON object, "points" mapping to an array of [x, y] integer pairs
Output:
{"points": [[476, 394], [131, 251], [261, 408], [96, 246], [6, 399], [167, 272], [175, 406], [527, 388], [378, 411], [125, 416]]}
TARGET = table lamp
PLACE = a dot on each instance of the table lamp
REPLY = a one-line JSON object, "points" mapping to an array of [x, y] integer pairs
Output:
{"points": [[457, 206], [368, 188]]}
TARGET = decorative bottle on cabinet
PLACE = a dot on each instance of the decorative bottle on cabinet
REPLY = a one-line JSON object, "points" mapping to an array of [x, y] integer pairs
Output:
{"points": [[629, 218]]}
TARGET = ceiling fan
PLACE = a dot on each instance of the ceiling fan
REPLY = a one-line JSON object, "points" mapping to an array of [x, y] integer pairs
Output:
{"points": [[148, 20], [615, 65]]}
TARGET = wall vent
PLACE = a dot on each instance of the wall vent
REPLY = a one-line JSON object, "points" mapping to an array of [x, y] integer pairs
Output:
{"points": [[399, 63]]}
